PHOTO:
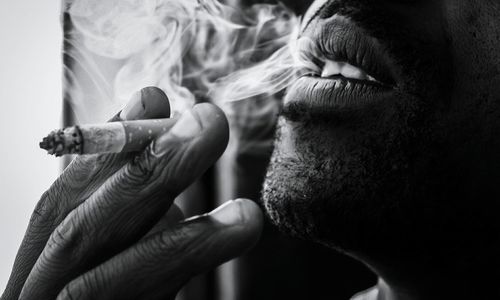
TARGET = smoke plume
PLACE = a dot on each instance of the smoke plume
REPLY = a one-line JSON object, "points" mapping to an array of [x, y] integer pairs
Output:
{"points": [[195, 50], [187, 47]]}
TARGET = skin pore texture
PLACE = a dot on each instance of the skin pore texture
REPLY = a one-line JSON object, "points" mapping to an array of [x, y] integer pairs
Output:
{"points": [[410, 185]]}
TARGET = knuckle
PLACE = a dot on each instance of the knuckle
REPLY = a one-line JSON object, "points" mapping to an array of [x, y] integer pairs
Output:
{"points": [[143, 167], [84, 287], [88, 281], [47, 211], [41, 208], [81, 169], [172, 169], [61, 197], [183, 247], [69, 293], [103, 204], [66, 237], [98, 276], [110, 161], [143, 252], [172, 241]]}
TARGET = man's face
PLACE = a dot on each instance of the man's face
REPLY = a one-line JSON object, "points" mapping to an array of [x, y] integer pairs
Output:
{"points": [[391, 144]]}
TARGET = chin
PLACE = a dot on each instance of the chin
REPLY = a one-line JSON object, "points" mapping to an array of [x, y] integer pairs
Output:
{"points": [[360, 154], [384, 152], [386, 182], [347, 186]]}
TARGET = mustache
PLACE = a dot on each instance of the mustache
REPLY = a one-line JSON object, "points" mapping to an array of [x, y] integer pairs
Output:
{"points": [[420, 50]]}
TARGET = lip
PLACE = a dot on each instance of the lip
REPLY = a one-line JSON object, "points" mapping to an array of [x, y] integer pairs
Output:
{"points": [[341, 40], [327, 96]]}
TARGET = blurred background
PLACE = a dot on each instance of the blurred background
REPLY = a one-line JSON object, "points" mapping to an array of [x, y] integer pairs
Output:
{"points": [[30, 78], [30, 93]]}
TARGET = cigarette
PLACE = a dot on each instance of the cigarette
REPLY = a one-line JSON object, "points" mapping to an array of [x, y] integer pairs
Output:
{"points": [[114, 137]]}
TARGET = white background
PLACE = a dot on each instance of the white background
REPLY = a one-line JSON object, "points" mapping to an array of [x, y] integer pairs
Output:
{"points": [[30, 97]]}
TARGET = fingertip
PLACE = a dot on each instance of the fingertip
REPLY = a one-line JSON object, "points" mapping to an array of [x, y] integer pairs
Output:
{"points": [[212, 120], [148, 103], [253, 220], [156, 102], [206, 125], [243, 216], [252, 215]]}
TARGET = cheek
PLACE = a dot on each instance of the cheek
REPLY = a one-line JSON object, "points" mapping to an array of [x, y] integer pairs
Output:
{"points": [[472, 121], [474, 31]]}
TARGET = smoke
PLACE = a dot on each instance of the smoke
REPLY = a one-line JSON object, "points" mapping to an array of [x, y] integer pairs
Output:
{"points": [[187, 47], [195, 50]]}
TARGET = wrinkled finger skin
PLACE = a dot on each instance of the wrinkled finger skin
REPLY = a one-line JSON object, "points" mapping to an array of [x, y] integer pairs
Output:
{"points": [[78, 181], [127, 205], [157, 267]]}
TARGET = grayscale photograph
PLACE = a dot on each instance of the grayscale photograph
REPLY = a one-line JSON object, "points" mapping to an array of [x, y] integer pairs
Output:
{"points": [[250, 149]]}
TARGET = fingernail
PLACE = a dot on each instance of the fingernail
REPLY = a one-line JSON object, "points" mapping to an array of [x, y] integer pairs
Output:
{"points": [[194, 218], [221, 207], [217, 211], [148, 103], [233, 212], [134, 109], [229, 213]]}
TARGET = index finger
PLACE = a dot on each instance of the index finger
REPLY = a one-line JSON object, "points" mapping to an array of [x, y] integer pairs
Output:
{"points": [[79, 180], [126, 206]]}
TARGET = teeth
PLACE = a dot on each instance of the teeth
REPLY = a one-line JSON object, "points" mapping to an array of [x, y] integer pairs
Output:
{"points": [[344, 69]]}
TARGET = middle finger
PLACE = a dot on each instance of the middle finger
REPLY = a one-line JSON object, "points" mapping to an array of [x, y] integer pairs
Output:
{"points": [[130, 202]]}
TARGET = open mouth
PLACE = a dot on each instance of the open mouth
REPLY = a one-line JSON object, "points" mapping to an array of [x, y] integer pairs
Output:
{"points": [[338, 69], [345, 68]]}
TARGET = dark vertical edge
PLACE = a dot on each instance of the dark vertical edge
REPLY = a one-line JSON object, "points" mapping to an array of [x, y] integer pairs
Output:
{"points": [[68, 116]]}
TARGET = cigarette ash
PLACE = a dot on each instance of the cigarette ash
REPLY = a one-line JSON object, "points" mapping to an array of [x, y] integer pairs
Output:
{"points": [[63, 141], [194, 50]]}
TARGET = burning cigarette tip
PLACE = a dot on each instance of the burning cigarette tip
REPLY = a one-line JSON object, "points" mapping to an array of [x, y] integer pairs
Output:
{"points": [[63, 141]]}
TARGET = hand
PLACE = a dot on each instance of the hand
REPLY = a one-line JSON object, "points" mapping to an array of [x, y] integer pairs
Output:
{"points": [[107, 227]]}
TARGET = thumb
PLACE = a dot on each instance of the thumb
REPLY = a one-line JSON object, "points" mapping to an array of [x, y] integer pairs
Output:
{"points": [[239, 225], [158, 266]]}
